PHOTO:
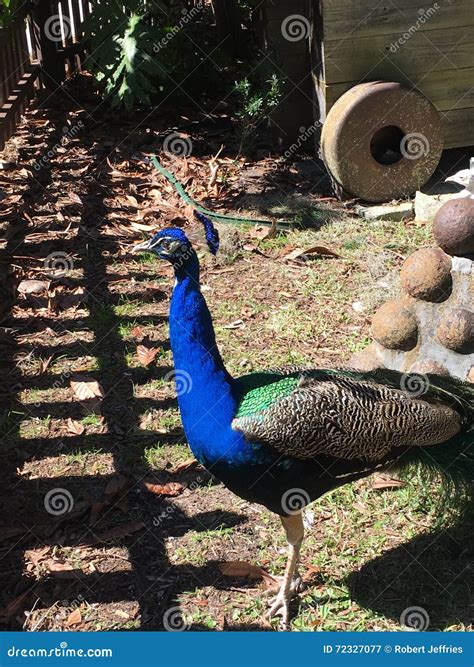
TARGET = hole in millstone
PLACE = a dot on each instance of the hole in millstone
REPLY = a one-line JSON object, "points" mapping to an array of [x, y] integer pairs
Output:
{"points": [[385, 145]]}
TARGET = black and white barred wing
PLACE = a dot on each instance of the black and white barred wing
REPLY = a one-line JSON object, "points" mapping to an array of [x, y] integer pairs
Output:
{"points": [[348, 419]]}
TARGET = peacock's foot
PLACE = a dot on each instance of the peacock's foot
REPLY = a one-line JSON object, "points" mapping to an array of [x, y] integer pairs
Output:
{"points": [[280, 605]]}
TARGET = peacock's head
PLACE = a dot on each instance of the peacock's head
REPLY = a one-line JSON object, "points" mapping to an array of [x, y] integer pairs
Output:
{"points": [[173, 245]]}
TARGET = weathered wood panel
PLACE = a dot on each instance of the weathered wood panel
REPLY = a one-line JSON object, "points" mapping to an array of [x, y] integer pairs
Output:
{"points": [[370, 58], [366, 18], [446, 89], [458, 126]]}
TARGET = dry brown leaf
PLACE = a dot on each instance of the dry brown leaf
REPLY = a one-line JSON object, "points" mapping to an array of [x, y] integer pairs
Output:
{"points": [[36, 557], [146, 355], [169, 489], [184, 465], [85, 387], [304, 253], [380, 481], [56, 566], [74, 198], [75, 427], [263, 232], [74, 618], [140, 227], [132, 200], [44, 364], [240, 568], [137, 332], [32, 286]]}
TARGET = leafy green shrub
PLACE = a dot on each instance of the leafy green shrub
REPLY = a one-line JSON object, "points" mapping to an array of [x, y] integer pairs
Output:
{"points": [[256, 102], [125, 55]]}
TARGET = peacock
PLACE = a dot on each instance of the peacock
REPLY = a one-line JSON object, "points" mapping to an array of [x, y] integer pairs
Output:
{"points": [[282, 437]]}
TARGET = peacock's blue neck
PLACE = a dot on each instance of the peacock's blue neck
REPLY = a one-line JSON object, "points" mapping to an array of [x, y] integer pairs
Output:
{"points": [[205, 389]]}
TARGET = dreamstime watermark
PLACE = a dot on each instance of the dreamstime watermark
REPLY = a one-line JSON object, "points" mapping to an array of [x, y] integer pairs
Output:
{"points": [[182, 380], [58, 264], [76, 603], [68, 134], [57, 28], [414, 145], [294, 501], [414, 618], [414, 384], [187, 17], [61, 651], [171, 509], [305, 134], [58, 501], [175, 621], [57, 384], [424, 16], [295, 27], [177, 145]]}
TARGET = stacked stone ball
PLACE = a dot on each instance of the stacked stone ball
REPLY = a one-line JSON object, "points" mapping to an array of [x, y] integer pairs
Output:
{"points": [[430, 327]]}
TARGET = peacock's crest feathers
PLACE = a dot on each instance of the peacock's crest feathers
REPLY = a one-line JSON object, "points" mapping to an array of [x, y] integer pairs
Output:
{"points": [[212, 235]]}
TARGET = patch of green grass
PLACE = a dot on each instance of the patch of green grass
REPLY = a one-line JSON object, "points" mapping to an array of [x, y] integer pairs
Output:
{"points": [[80, 456], [160, 455], [92, 420], [127, 307]]}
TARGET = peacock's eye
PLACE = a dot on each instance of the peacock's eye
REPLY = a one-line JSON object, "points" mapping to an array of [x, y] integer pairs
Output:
{"points": [[165, 244]]}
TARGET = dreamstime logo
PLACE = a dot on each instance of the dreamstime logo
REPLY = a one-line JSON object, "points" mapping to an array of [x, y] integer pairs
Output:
{"points": [[304, 135], [74, 604], [295, 28], [57, 28], [186, 17], [414, 384], [58, 501], [174, 621], [414, 618], [414, 145], [171, 509], [423, 17], [295, 500], [182, 379], [58, 263], [68, 134], [177, 145]]}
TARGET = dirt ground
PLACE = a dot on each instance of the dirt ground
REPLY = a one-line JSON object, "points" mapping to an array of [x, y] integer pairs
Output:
{"points": [[106, 521]]}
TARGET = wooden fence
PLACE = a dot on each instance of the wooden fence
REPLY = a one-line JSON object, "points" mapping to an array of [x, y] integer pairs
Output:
{"points": [[41, 47]]}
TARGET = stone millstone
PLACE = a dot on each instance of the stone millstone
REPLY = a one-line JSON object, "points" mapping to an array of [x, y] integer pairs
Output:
{"points": [[427, 275], [456, 330], [453, 227], [394, 326]]}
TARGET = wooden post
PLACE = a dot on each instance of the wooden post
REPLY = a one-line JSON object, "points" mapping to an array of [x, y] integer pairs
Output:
{"points": [[52, 64]]}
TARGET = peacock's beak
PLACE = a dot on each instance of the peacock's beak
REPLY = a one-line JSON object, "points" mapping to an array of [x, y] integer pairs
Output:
{"points": [[141, 247]]}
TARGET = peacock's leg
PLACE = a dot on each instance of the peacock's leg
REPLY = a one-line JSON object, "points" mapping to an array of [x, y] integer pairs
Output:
{"points": [[294, 529]]}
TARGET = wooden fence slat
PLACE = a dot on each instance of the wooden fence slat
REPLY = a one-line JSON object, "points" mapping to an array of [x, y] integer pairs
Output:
{"points": [[28, 47]]}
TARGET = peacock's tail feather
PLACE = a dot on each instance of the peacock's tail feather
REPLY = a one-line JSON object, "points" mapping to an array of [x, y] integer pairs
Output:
{"points": [[451, 461]]}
